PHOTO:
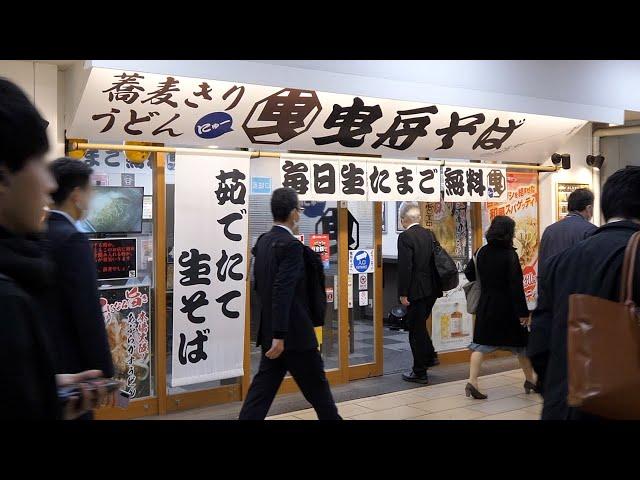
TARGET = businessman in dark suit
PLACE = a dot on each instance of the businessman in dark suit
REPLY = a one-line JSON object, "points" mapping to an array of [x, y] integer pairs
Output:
{"points": [[557, 238], [418, 288], [286, 332], [75, 320]]}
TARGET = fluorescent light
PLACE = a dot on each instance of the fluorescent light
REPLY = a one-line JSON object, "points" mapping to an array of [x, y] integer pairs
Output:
{"points": [[213, 146]]}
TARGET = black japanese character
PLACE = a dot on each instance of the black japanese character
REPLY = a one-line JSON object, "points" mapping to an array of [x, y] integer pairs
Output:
{"points": [[234, 192], [196, 355], [110, 122], [414, 123], [235, 100], [377, 180], [91, 158], [352, 179], [454, 181], [427, 175], [353, 121], [324, 178], [227, 264], [163, 94], [475, 182], [112, 154], [134, 120], [487, 143], [224, 300], [171, 162], [295, 176], [497, 183], [227, 221], [454, 128], [404, 179], [196, 268], [286, 113], [161, 128], [125, 90], [204, 92], [191, 304]]}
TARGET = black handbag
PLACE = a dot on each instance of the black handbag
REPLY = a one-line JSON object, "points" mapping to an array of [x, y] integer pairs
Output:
{"points": [[445, 267]]}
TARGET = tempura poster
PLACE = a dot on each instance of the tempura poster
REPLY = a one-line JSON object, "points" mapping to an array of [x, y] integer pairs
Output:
{"points": [[522, 206]]}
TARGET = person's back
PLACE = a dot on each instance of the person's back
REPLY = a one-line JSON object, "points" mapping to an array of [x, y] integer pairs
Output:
{"points": [[591, 267], [422, 280], [557, 238]]}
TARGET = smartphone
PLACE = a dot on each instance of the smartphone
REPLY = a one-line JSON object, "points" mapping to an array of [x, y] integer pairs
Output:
{"points": [[122, 399]]}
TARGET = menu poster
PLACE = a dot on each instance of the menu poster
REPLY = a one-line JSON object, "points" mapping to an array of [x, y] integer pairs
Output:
{"points": [[128, 322], [320, 245], [116, 258], [451, 325], [563, 190]]}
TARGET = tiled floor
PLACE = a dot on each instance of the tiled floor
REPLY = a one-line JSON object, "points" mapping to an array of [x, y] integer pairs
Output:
{"points": [[447, 401]]}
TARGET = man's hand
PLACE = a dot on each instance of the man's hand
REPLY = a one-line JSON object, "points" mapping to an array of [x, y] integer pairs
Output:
{"points": [[404, 301], [87, 400], [277, 347], [525, 321]]}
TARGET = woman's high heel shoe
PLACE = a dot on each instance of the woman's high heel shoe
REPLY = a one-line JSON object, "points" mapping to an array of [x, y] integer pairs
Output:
{"points": [[528, 386], [472, 391]]}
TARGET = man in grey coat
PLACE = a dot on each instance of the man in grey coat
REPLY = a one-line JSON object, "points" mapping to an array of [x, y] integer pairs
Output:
{"points": [[557, 238]]}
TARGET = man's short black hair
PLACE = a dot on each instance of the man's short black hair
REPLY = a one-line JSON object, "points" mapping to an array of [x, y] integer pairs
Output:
{"points": [[23, 132], [69, 174], [621, 194], [283, 202], [580, 199]]}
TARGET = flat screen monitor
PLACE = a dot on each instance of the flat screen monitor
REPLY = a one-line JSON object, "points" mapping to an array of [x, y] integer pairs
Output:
{"points": [[114, 210]]}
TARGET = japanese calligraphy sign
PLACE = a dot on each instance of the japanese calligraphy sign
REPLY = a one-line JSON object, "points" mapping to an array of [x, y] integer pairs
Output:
{"points": [[124, 105], [344, 178], [469, 184], [522, 206], [128, 323], [115, 257], [210, 265]]}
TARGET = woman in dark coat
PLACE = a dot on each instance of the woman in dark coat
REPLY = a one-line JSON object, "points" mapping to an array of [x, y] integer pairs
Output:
{"points": [[502, 314]]}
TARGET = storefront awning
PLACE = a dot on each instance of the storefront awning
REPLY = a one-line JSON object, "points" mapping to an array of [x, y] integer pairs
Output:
{"points": [[118, 105]]}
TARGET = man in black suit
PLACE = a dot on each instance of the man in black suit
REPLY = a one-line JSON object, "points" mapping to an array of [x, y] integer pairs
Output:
{"points": [[76, 321], [418, 288], [591, 267], [557, 238], [286, 331]]}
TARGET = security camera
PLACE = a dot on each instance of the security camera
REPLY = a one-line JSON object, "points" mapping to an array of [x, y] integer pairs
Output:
{"points": [[595, 161], [566, 161]]}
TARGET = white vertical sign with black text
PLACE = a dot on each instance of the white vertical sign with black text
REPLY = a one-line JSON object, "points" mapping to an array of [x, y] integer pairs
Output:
{"points": [[211, 231]]}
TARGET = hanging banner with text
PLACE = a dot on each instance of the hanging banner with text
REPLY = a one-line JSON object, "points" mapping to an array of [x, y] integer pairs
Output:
{"points": [[118, 105], [209, 290], [468, 184], [337, 178]]}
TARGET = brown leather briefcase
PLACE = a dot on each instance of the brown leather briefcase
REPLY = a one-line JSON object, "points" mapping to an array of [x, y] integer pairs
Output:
{"points": [[604, 349]]}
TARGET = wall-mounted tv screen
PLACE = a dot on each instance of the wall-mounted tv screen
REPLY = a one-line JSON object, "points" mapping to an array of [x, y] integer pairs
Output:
{"points": [[114, 210]]}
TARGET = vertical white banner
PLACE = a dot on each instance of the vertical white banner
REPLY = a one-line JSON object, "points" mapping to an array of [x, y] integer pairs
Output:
{"points": [[210, 265], [352, 182], [315, 179]]}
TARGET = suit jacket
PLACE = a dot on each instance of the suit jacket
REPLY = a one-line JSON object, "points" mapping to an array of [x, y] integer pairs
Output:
{"points": [[502, 299], [557, 238], [417, 276], [75, 319], [280, 283], [592, 267]]}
